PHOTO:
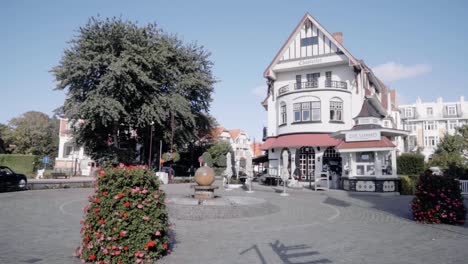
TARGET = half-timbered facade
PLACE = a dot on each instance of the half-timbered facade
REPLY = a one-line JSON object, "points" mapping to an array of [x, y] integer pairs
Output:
{"points": [[315, 88]]}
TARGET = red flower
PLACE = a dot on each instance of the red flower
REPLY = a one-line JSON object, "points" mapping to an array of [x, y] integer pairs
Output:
{"points": [[104, 193], [102, 173], [92, 257], [125, 248], [96, 200], [127, 204], [150, 244], [125, 215], [165, 245], [102, 221], [122, 233], [120, 195], [96, 210]]}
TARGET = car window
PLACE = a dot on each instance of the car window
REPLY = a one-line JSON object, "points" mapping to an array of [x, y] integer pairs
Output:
{"points": [[5, 171]]}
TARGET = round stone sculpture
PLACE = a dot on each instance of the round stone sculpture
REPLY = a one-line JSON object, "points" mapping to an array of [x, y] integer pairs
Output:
{"points": [[204, 176]]}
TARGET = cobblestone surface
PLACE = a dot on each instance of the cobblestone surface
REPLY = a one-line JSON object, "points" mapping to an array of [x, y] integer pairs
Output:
{"points": [[305, 227]]}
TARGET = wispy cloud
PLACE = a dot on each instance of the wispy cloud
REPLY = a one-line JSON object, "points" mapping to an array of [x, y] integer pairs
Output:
{"points": [[260, 91], [392, 71]]}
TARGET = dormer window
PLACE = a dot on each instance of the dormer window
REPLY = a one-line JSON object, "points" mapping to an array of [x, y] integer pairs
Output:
{"points": [[409, 112], [429, 111], [451, 110]]}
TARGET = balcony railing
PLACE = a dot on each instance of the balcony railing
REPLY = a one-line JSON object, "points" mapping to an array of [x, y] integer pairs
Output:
{"points": [[283, 89], [314, 84], [336, 84], [306, 85]]}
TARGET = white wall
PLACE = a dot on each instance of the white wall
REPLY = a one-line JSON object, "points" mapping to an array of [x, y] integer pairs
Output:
{"points": [[352, 102]]}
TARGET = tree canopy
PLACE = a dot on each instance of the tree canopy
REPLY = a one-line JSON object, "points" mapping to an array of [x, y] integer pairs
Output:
{"points": [[31, 133], [122, 78]]}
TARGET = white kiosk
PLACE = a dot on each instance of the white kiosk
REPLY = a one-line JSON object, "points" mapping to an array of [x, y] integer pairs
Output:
{"points": [[369, 155]]}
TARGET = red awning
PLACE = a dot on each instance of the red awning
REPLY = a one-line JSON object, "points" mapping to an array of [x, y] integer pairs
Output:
{"points": [[384, 142], [300, 140]]}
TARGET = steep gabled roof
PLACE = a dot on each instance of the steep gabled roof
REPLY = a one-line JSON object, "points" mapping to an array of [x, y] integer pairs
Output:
{"points": [[368, 110], [235, 133], [307, 16]]}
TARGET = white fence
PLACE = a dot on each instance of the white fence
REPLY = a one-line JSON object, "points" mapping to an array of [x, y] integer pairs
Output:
{"points": [[464, 186]]}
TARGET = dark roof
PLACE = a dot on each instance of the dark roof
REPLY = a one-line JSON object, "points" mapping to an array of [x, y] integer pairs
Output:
{"points": [[366, 126], [368, 110]]}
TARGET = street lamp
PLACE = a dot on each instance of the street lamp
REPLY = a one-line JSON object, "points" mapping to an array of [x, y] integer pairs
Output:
{"points": [[151, 145]]}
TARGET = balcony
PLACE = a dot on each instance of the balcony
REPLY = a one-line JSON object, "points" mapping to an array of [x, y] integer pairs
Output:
{"points": [[311, 85], [336, 84]]}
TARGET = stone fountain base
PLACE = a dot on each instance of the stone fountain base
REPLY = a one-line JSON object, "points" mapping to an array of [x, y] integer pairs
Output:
{"points": [[204, 192]]}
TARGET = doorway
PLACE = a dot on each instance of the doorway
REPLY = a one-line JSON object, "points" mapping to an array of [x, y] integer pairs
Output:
{"points": [[307, 164], [332, 164]]}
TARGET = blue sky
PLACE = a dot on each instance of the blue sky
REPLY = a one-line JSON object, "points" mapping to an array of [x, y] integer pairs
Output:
{"points": [[417, 47]]}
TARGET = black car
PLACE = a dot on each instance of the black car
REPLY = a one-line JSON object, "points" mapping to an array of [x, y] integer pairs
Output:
{"points": [[9, 180]]}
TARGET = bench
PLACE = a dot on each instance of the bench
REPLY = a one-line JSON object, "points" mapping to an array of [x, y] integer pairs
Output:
{"points": [[57, 175]]}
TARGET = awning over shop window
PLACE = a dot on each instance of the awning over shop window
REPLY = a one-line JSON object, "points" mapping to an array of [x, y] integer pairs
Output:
{"points": [[300, 140], [384, 142]]}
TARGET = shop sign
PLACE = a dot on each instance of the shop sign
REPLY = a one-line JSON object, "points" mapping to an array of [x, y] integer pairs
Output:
{"points": [[363, 135]]}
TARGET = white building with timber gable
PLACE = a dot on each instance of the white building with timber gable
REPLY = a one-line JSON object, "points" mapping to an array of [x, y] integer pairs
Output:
{"points": [[429, 122], [330, 114]]}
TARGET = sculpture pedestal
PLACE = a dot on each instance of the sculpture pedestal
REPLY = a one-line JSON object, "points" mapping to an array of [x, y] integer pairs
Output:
{"points": [[204, 192]]}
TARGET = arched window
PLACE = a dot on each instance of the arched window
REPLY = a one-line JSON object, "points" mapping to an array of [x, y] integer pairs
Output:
{"points": [[336, 109], [283, 115], [330, 152]]}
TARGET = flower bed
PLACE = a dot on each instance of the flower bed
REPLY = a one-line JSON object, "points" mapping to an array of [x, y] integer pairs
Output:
{"points": [[438, 200], [126, 219]]}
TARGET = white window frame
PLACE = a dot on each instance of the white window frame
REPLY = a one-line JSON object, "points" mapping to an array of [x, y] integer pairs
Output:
{"points": [[430, 125], [367, 167], [336, 110], [308, 111], [283, 114], [451, 110], [429, 111], [409, 112], [452, 124]]}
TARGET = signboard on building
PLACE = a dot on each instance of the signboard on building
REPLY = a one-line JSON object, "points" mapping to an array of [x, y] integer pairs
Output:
{"points": [[362, 135]]}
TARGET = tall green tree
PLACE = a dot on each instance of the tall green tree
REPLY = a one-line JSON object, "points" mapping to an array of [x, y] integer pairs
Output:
{"points": [[122, 79], [3, 132], [33, 133]]}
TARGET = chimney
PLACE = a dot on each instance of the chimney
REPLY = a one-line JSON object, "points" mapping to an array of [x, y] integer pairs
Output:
{"points": [[338, 36]]}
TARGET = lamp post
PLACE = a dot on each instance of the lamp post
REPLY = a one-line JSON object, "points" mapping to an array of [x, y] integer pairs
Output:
{"points": [[151, 145]]}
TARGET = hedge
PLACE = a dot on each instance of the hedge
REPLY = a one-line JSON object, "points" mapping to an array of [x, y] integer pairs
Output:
{"points": [[408, 184], [410, 164], [19, 163]]}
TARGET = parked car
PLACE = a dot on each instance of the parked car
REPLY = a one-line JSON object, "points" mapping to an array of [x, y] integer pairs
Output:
{"points": [[9, 180]]}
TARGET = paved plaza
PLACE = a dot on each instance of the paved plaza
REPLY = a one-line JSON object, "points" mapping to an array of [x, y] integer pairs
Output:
{"points": [[306, 227]]}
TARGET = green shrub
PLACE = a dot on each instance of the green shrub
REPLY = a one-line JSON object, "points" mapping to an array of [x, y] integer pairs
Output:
{"points": [[207, 159], [19, 163], [219, 170], [438, 200], [458, 171], [126, 219], [410, 164], [408, 184]]}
